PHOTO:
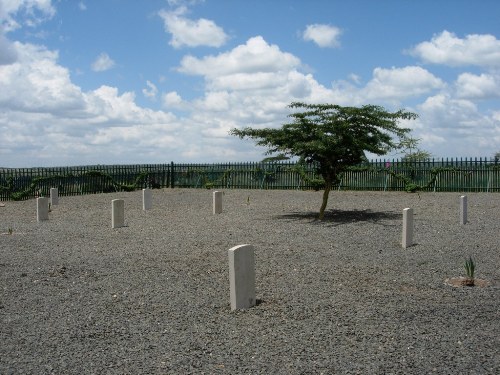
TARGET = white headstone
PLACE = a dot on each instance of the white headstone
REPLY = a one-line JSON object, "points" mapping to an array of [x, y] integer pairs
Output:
{"points": [[54, 196], [147, 199], [242, 277], [217, 202], [463, 209], [407, 227], [42, 208], [117, 213]]}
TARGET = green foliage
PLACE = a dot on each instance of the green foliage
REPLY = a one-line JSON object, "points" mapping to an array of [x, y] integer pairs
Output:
{"points": [[332, 137], [91, 181], [412, 187], [204, 178], [469, 268], [273, 159], [411, 151], [10, 231]]}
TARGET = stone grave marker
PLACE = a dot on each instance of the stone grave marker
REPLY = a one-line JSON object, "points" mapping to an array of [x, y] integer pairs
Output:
{"points": [[463, 209], [242, 277], [117, 213], [42, 208], [407, 227], [54, 196], [217, 202], [147, 199]]}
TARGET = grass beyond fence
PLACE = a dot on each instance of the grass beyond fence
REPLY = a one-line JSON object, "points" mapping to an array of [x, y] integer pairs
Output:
{"points": [[469, 175]]}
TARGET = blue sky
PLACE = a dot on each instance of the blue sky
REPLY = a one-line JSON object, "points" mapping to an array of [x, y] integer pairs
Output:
{"points": [[126, 82]]}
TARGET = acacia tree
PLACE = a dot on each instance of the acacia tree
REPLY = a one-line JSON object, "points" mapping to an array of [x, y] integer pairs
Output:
{"points": [[332, 137], [411, 151]]}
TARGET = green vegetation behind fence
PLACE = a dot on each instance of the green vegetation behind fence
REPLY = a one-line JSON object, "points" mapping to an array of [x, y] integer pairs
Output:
{"points": [[469, 175]]}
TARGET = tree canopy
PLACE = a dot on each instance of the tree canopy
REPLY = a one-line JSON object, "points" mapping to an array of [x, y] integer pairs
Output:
{"points": [[411, 151], [333, 137]]}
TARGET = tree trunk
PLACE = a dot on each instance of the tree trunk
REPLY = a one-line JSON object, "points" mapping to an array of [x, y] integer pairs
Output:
{"points": [[328, 187]]}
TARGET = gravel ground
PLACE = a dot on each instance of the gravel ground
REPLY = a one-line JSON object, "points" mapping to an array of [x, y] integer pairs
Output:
{"points": [[339, 296]]}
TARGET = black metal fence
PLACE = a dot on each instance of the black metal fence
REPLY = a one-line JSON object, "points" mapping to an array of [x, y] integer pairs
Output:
{"points": [[474, 175]]}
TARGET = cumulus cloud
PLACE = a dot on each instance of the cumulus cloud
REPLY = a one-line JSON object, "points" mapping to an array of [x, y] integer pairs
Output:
{"points": [[255, 56], [322, 35], [400, 83], [151, 91], [55, 122], [172, 100], [36, 83], [457, 121], [472, 86], [8, 53], [448, 49], [191, 33], [16, 13], [102, 63], [251, 84], [387, 87]]}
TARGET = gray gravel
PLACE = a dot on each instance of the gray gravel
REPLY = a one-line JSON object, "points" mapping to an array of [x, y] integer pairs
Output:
{"points": [[335, 297]]}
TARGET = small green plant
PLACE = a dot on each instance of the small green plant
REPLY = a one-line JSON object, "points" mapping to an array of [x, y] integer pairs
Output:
{"points": [[469, 271], [248, 200], [10, 230]]}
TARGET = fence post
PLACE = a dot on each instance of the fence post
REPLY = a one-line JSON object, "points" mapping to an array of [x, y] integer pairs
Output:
{"points": [[171, 174]]}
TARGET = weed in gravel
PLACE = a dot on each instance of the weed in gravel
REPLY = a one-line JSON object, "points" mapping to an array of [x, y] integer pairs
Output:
{"points": [[10, 230], [469, 271]]}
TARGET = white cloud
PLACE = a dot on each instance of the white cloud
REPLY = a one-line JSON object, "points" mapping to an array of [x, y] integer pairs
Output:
{"points": [[483, 86], [46, 117], [35, 83], [186, 32], [447, 49], [355, 78], [172, 100], [387, 87], [400, 83], [102, 63], [50, 120], [151, 91], [453, 127], [8, 53], [82, 6], [216, 101], [255, 56], [252, 84], [323, 35], [16, 13]]}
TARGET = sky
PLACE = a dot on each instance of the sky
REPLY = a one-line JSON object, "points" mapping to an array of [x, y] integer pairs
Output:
{"points": [[134, 82]]}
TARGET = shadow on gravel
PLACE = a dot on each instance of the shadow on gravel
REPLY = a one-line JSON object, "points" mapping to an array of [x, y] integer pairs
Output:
{"points": [[338, 217]]}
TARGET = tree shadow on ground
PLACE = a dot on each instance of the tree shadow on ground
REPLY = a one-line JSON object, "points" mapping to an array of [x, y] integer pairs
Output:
{"points": [[336, 217]]}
